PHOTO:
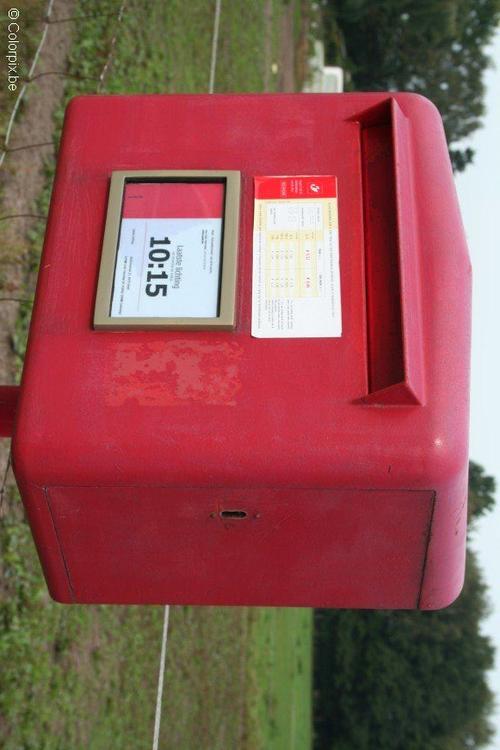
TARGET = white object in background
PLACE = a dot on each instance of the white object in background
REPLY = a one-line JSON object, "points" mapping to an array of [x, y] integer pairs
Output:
{"points": [[325, 79], [332, 80]]}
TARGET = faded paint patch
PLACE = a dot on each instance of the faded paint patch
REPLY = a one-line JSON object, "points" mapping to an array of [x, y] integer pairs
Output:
{"points": [[175, 372]]}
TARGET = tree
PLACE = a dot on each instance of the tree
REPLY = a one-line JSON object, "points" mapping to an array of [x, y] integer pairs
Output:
{"points": [[432, 47], [482, 490]]}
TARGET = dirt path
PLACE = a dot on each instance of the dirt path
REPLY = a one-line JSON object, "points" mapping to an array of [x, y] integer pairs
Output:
{"points": [[22, 179], [294, 45], [287, 49]]}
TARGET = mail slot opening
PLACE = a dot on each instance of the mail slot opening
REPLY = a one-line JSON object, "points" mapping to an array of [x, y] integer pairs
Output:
{"points": [[233, 514]]}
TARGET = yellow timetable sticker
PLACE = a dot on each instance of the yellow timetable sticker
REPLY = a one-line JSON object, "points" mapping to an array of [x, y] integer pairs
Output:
{"points": [[296, 279]]}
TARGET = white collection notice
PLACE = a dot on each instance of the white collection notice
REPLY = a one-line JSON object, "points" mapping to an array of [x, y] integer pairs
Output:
{"points": [[168, 264], [296, 277]]}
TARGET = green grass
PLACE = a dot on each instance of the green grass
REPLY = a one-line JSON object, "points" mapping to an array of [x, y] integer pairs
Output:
{"points": [[167, 47], [281, 678], [85, 677], [69, 676]]}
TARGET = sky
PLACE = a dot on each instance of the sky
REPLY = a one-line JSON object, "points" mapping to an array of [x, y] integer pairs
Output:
{"points": [[479, 195]]}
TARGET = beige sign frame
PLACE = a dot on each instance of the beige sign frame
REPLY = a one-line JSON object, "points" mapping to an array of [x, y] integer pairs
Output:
{"points": [[229, 252]]}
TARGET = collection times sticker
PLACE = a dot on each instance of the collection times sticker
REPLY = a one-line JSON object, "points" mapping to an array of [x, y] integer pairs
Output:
{"points": [[296, 277]]}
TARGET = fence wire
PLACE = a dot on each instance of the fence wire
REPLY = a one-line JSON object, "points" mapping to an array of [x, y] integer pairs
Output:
{"points": [[31, 71], [47, 20]]}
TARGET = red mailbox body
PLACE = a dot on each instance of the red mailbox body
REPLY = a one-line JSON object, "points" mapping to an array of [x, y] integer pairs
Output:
{"points": [[346, 457]]}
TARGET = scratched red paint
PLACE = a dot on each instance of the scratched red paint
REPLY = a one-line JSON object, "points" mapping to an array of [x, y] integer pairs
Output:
{"points": [[176, 372]]}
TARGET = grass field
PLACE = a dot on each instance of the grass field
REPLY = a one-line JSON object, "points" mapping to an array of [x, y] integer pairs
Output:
{"points": [[281, 678], [85, 677]]}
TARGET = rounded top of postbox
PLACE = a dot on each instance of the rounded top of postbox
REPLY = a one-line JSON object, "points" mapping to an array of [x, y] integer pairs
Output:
{"points": [[391, 389]]}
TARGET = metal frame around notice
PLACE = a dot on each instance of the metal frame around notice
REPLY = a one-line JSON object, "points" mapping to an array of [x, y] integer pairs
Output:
{"points": [[229, 253]]}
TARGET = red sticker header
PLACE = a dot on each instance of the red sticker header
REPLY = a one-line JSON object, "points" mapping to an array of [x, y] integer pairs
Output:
{"points": [[173, 200], [303, 186]]}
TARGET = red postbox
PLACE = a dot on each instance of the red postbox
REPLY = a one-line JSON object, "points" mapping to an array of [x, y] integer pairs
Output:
{"points": [[292, 431]]}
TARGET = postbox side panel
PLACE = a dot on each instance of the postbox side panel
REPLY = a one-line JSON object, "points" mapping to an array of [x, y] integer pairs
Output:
{"points": [[294, 547]]}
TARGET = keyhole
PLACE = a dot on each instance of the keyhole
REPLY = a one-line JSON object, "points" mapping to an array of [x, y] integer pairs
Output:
{"points": [[233, 514]]}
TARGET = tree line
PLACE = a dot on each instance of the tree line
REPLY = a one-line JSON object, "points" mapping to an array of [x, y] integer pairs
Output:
{"points": [[432, 47]]}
